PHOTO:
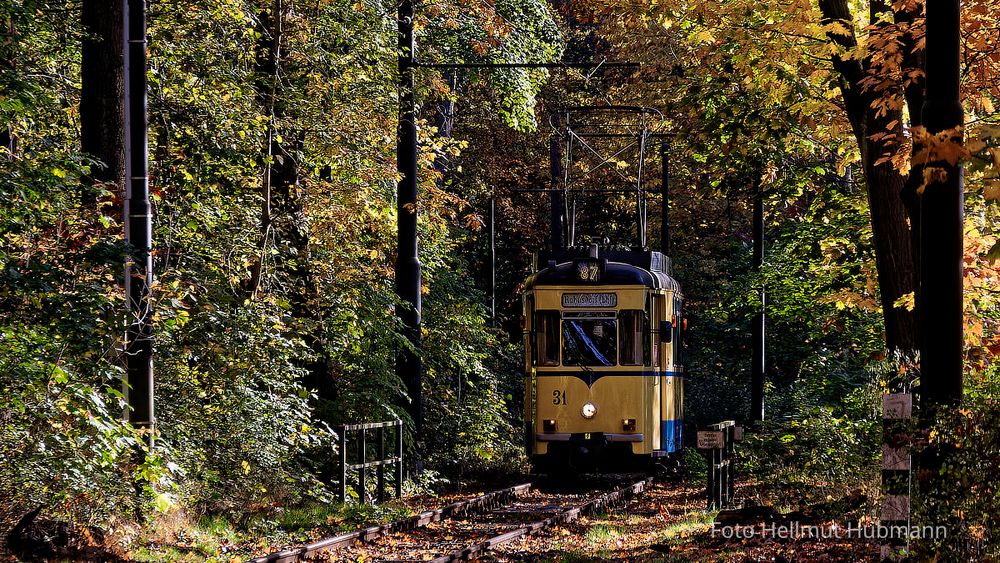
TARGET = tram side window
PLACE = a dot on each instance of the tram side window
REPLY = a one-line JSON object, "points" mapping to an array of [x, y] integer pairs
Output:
{"points": [[657, 312], [589, 342], [678, 336], [547, 337], [633, 345]]}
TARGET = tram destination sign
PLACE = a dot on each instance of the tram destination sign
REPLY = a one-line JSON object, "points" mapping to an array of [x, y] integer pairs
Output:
{"points": [[589, 300]]}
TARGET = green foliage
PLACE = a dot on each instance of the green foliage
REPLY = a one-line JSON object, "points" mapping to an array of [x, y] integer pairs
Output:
{"points": [[964, 497], [272, 138], [62, 441], [273, 302], [468, 426], [61, 435], [695, 465], [822, 313], [507, 31], [821, 434], [820, 450]]}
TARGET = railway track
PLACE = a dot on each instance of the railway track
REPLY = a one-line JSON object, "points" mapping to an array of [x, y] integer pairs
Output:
{"points": [[467, 529]]}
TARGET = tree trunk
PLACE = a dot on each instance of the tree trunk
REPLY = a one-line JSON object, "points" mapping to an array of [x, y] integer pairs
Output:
{"points": [[914, 94], [894, 257], [283, 217], [893, 244], [102, 108], [7, 65]]}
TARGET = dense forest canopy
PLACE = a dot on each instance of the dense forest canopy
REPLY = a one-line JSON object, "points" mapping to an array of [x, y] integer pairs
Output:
{"points": [[272, 136]]}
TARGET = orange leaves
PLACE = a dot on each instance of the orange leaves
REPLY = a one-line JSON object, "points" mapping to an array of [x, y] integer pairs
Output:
{"points": [[847, 299], [480, 47], [906, 6], [943, 147], [837, 28], [981, 277], [983, 104], [947, 147], [474, 221]]}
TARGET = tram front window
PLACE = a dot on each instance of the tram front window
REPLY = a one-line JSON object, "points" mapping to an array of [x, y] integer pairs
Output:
{"points": [[589, 342]]}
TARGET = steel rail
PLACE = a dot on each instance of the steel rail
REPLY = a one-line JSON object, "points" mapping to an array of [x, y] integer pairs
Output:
{"points": [[607, 499], [486, 501]]}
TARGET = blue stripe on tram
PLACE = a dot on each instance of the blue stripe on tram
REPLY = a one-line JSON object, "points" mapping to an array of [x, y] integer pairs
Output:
{"points": [[597, 373], [671, 434]]}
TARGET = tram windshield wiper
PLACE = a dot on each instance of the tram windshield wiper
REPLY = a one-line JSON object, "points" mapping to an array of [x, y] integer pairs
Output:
{"points": [[589, 342]]}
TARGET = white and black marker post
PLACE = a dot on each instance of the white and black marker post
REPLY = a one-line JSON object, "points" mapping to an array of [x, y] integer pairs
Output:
{"points": [[897, 409]]}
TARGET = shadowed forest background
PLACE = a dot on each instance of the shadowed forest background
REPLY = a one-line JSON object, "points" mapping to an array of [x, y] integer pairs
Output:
{"points": [[272, 130]]}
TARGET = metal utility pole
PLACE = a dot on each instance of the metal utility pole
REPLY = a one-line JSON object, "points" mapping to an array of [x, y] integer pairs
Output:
{"points": [[939, 310], [757, 330], [939, 298], [640, 197], [556, 195], [138, 227], [665, 207], [408, 363], [493, 261]]}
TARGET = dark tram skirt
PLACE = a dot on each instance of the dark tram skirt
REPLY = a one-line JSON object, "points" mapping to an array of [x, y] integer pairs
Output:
{"points": [[595, 451]]}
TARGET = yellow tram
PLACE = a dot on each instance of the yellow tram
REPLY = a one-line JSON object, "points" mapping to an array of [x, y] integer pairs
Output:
{"points": [[603, 369]]}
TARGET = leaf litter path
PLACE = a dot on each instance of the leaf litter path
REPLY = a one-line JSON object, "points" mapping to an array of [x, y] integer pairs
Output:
{"points": [[447, 536], [669, 523], [468, 535]]}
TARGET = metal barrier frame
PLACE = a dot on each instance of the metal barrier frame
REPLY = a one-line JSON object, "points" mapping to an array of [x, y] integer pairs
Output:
{"points": [[362, 465]]}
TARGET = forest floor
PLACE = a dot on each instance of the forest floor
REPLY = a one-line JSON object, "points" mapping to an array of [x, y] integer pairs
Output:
{"points": [[669, 523], [666, 523]]}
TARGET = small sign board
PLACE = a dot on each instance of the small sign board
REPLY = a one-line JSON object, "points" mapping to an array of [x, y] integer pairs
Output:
{"points": [[711, 440], [737, 433]]}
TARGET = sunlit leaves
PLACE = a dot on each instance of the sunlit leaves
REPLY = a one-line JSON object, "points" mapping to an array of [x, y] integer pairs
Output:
{"points": [[508, 31]]}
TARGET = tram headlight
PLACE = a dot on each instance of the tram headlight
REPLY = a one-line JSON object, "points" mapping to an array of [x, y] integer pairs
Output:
{"points": [[588, 410]]}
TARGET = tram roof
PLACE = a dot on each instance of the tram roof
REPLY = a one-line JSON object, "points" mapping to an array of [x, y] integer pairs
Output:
{"points": [[618, 267]]}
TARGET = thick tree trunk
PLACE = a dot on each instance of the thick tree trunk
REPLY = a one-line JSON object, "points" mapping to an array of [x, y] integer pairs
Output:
{"points": [[293, 263], [102, 109], [893, 244], [914, 94], [893, 240]]}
